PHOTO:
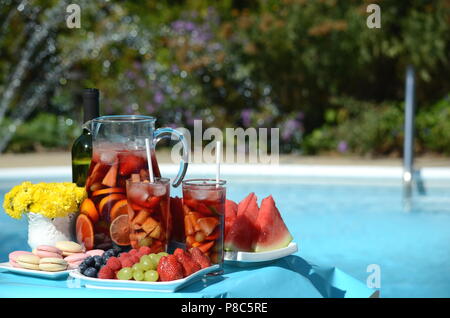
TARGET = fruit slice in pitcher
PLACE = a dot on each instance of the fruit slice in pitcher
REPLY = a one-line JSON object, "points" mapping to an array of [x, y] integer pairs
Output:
{"points": [[119, 208], [85, 231], [130, 163], [120, 230], [108, 191], [88, 208], [108, 202]]}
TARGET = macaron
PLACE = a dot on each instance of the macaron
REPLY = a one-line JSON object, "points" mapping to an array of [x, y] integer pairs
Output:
{"points": [[69, 247], [28, 261], [48, 251], [52, 264], [75, 259], [13, 256], [95, 252]]}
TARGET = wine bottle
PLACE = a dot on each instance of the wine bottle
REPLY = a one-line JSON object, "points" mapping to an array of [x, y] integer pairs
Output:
{"points": [[82, 147]]}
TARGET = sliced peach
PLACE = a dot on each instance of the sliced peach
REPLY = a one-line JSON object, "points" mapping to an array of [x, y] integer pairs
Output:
{"points": [[137, 236], [109, 200], [141, 217], [88, 208], [200, 236], [196, 244], [190, 239], [205, 247], [194, 222], [149, 225], [108, 191], [110, 178], [119, 208], [156, 233], [207, 225], [188, 227]]}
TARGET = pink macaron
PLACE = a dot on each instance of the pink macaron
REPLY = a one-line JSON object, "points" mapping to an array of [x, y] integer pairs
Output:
{"points": [[76, 257], [48, 251], [95, 252], [13, 256]]}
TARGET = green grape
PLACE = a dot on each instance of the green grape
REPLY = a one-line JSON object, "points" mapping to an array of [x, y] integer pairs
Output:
{"points": [[151, 276], [143, 257], [138, 267], [154, 258], [138, 275], [162, 254], [125, 273], [147, 264]]}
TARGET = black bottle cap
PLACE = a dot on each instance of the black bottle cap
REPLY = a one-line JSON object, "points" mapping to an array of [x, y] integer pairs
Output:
{"points": [[90, 104]]}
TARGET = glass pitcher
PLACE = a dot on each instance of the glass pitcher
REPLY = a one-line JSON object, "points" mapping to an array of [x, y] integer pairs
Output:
{"points": [[118, 153]]}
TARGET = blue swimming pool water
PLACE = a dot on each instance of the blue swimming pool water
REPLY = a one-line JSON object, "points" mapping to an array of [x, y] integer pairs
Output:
{"points": [[349, 224]]}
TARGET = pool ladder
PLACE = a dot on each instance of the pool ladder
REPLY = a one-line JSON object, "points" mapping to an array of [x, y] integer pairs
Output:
{"points": [[410, 175]]}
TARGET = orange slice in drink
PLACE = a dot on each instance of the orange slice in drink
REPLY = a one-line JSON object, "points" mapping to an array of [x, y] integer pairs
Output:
{"points": [[119, 208], [88, 208], [85, 231], [120, 230], [110, 200], [108, 191]]}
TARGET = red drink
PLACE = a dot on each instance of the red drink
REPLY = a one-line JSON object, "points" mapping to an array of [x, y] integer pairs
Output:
{"points": [[111, 166], [149, 213], [204, 210]]}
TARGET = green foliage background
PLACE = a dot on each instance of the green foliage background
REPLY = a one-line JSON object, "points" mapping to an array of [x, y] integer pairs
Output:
{"points": [[312, 68]]}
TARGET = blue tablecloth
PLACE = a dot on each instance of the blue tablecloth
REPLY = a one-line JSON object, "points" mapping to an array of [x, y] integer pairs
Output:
{"points": [[291, 276]]}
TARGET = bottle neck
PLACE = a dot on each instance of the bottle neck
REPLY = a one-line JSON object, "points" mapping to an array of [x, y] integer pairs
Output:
{"points": [[90, 104]]}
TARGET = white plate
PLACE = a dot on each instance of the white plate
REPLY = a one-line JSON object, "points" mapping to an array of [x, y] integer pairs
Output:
{"points": [[250, 258], [171, 286], [31, 272]]}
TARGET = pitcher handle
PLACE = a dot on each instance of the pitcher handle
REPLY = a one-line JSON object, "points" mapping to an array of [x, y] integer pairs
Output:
{"points": [[162, 133]]}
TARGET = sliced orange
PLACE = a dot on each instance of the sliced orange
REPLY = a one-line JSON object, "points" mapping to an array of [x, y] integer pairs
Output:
{"points": [[88, 208], [108, 191], [119, 208], [120, 230], [109, 200], [85, 231]]}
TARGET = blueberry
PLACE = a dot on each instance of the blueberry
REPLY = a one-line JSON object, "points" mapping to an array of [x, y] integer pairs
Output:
{"points": [[90, 272], [82, 267], [105, 258], [89, 262], [98, 261], [110, 252]]}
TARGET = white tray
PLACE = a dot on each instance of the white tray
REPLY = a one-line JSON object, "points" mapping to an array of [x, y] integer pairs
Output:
{"points": [[31, 272], [172, 286], [252, 258]]}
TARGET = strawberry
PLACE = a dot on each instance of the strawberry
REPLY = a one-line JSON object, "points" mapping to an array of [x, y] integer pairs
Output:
{"points": [[126, 262], [106, 272], [145, 250], [114, 263], [130, 163], [169, 269], [133, 251], [200, 258], [185, 259]]}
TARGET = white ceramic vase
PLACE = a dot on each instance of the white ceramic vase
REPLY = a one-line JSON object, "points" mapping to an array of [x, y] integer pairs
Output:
{"points": [[45, 231]]}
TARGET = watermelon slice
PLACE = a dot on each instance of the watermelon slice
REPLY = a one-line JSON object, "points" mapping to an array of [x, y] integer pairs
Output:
{"points": [[273, 233], [244, 231], [231, 208]]}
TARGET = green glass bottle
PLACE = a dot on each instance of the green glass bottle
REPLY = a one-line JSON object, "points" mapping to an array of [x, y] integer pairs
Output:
{"points": [[82, 147]]}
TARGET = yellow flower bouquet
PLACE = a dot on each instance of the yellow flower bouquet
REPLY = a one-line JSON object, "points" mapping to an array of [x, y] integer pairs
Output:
{"points": [[50, 207]]}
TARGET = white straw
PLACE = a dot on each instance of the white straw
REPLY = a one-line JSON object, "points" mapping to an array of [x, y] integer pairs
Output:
{"points": [[218, 156], [149, 160]]}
